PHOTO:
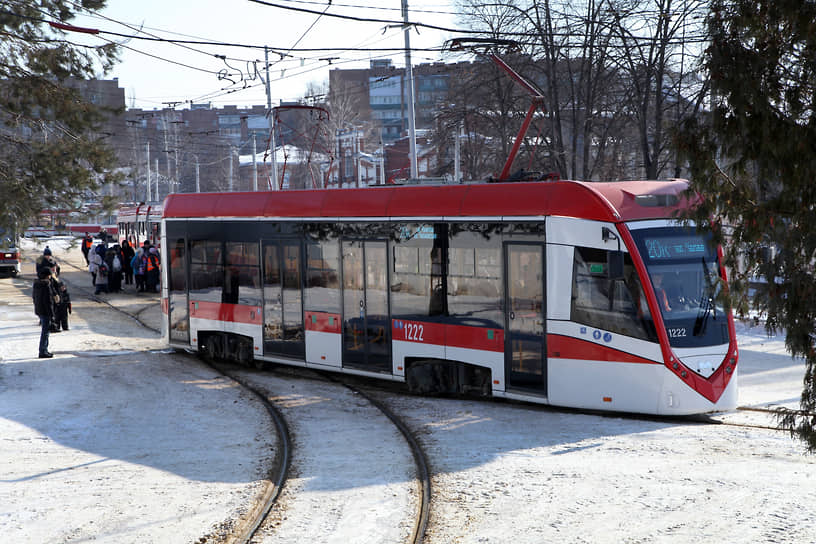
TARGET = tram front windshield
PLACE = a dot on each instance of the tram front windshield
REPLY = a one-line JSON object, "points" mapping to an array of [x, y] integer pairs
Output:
{"points": [[685, 274]]}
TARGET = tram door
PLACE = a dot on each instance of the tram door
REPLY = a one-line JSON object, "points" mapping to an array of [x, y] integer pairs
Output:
{"points": [[283, 306], [366, 327], [178, 309], [525, 349]]}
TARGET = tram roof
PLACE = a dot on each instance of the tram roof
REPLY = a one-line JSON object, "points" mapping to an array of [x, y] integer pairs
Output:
{"points": [[602, 201]]}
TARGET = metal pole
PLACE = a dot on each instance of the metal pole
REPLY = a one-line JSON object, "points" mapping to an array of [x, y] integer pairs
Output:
{"points": [[231, 185], [254, 165], [382, 159], [273, 145], [409, 74], [198, 178], [157, 180], [358, 157], [148, 171], [457, 167]]}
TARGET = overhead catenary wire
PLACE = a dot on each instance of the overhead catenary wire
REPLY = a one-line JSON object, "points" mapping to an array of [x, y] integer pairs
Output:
{"points": [[247, 83]]}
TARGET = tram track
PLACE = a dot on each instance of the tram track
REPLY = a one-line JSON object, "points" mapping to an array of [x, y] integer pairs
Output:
{"points": [[773, 412], [418, 453], [423, 475], [246, 530]]}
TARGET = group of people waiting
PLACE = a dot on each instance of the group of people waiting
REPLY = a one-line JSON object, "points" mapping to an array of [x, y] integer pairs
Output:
{"points": [[52, 302], [111, 265]]}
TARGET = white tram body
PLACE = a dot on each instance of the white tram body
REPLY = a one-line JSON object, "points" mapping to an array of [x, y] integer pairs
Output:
{"points": [[575, 294]]}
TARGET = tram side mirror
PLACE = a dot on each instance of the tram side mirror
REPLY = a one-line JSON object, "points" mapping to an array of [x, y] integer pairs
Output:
{"points": [[614, 265]]}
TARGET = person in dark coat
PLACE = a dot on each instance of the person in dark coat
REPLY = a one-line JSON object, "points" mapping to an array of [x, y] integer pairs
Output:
{"points": [[44, 300], [87, 243], [112, 257], [152, 270], [47, 260], [127, 256], [62, 307]]}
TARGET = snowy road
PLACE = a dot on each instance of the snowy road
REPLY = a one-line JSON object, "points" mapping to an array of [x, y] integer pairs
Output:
{"points": [[150, 447]]}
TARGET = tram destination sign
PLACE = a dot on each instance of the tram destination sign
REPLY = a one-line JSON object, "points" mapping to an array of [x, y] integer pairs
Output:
{"points": [[674, 247]]}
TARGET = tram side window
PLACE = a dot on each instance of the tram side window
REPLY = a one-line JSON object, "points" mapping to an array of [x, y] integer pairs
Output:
{"points": [[413, 261], [206, 271], [474, 283], [242, 280], [614, 305], [322, 276]]}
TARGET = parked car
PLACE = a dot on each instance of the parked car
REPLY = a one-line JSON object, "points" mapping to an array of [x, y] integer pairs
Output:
{"points": [[9, 254]]}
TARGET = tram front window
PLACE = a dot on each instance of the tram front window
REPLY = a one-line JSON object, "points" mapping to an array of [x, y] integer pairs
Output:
{"points": [[685, 275]]}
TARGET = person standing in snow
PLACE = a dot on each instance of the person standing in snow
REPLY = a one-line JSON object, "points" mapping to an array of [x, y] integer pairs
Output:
{"points": [[62, 307], [47, 260], [113, 258], [87, 242], [127, 257], [152, 269], [100, 269], [44, 300], [138, 269]]}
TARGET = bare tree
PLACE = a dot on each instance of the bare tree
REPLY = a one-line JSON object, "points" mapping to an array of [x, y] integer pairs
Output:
{"points": [[614, 74], [654, 40]]}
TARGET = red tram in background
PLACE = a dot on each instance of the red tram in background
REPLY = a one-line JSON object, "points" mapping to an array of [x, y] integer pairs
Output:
{"points": [[575, 294], [139, 222]]}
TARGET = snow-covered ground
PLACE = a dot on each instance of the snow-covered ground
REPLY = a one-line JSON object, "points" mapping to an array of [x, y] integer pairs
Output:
{"points": [[115, 441]]}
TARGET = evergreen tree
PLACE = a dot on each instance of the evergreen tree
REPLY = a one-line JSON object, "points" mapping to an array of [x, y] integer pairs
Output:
{"points": [[754, 163], [50, 156]]}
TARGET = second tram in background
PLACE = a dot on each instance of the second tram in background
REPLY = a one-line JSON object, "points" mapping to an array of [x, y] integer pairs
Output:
{"points": [[138, 223], [586, 295]]}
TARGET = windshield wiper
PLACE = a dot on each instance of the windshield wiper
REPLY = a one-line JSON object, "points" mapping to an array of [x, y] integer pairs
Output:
{"points": [[706, 308], [707, 305]]}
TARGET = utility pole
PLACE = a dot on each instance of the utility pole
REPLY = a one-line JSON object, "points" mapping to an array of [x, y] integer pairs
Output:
{"points": [[457, 157], [272, 144], [147, 151], [157, 180], [198, 178], [254, 165], [382, 159], [176, 181], [231, 183], [358, 156], [409, 74], [167, 162]]}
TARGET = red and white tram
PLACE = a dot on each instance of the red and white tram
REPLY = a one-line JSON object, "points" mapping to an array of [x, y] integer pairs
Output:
{"points": [[586, 295], [140, 222]]}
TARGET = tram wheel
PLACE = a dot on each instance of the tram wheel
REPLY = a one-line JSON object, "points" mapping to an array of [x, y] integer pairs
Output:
{"points": [[243, 352], [429, 377], [213, 348]]}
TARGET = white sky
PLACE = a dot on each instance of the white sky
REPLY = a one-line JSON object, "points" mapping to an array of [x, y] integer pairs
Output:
{"points": [[151, 82]]}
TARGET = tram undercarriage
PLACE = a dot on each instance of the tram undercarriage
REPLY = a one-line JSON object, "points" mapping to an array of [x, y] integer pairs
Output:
{"points": [[422, 376], [437, 376]]}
